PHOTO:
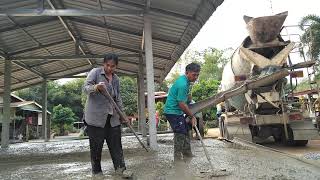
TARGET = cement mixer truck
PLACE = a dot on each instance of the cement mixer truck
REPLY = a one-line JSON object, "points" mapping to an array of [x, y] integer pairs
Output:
{"points": [[269, 111]]}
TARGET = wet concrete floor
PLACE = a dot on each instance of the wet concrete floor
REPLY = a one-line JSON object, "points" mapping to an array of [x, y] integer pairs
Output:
{"points": [[70, 160]]}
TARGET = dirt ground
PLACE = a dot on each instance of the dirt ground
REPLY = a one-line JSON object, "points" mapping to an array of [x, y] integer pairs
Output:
{"points": [[213, 133], [70, 160]]}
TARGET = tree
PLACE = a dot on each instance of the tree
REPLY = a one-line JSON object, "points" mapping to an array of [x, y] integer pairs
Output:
{"points": [[62, 116], [34, 93], [311, 25], [214, 61], [163, 86], [128, 91], [174, 76], [73, 96], [160, 109], [210, 76], [68, 95], [202, 90]]}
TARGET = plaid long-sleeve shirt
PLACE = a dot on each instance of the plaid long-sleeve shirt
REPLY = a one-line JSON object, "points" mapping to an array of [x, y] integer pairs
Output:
{"points": [[98, 106]]}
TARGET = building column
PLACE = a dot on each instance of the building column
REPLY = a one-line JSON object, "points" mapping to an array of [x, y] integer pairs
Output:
{"points": [[44, 111], [141, 99], [150, 82], [6, 104]]}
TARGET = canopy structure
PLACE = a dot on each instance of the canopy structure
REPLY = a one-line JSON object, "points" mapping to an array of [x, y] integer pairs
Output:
{"points": [[60, 38], [52, 39]]}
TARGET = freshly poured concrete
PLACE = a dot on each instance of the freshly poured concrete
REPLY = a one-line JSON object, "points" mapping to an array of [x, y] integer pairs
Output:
{"points": [[70, 160]]}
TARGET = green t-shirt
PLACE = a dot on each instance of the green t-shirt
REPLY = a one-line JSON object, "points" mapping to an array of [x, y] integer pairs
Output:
{"points": [[177, 93]]}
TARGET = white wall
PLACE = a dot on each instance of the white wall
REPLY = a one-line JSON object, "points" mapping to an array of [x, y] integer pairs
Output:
{"points": [[40, 119]]}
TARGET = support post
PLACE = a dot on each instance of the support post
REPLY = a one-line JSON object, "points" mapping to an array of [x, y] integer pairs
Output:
{"points": [[44, 111], [141, 99], [6, 104], [150, 82]]}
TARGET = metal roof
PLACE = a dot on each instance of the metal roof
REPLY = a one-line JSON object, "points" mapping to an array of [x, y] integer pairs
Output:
{"points": [[45, 46]]}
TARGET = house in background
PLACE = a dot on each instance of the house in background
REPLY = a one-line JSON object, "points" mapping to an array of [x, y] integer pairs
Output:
{"points": [[25, 120]]}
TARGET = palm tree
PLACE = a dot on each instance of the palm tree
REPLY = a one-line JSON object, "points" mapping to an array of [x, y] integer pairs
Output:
{"points": [[311, 25]]}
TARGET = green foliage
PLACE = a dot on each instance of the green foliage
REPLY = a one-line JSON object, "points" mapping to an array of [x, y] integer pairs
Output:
{"points": [[214, 61], [191, 56], [34, 93], [312, 34], [174, 76], [128, 90], [163, 124], [68, 95], [209, 78], [305, 85], [73, 96], [61, 117], [160, 109], [202, 90], [163, 86]]}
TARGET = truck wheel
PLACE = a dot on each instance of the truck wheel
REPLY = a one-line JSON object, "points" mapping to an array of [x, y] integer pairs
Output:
{"points": [[300, 142], [289, 141]]}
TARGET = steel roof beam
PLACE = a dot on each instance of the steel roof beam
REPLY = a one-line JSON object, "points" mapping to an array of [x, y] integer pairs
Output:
{"points": [[19, 80], [74, 75], [52, 73], [69, 76], [69, 12], [26, 67], [51, 59], [69, 31], [26, 33], [165, 39], [47, 75], [22, 65], [66, 57], [99, 4], [39, 47], [156, 10], [17, 27], [122, 48], [48, 59]]}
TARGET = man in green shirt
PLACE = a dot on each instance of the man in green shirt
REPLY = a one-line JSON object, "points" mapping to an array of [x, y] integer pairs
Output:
{"points": [[176, 108]]}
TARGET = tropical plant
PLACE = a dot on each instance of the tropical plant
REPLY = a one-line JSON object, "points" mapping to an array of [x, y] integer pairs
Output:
{"points": [[62, 117], [311, 25]]}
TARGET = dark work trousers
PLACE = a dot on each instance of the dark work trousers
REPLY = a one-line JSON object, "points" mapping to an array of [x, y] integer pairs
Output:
{"points": [[181, 136], [112, 135]]}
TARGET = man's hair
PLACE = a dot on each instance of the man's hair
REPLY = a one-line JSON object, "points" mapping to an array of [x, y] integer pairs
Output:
{"points": [[193, 67], [111, 56]]}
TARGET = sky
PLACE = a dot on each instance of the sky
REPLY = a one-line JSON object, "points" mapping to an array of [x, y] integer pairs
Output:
{"points": [[226, 27]]}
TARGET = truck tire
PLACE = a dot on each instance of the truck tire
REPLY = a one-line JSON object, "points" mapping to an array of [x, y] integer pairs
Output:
{"points": [[290, 141], [300, 142]]}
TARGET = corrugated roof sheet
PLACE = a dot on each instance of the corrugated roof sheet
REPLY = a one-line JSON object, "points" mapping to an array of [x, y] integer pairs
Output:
{"points": [[174, 25]]}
